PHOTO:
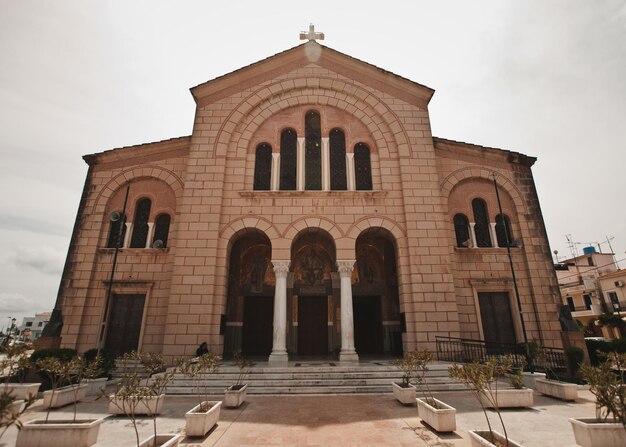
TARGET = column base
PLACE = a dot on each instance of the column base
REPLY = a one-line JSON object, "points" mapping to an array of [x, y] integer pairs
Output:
{"points": [[278, 359], [348, 357]]}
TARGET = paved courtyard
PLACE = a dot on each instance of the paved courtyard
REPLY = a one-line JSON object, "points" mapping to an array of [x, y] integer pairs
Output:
{"points": [[362, 420]]}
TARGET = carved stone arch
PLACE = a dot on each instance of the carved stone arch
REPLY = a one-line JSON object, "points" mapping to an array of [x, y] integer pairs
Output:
{"points": [[241, 225], [458, 176], [373, 221], [157, 172], [318, 222], [252, 111]]}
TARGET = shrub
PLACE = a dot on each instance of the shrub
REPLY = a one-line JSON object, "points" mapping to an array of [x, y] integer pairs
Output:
{"points": [[618, 345], [59, 353], [107, 360], [575, 357], [595, 349]]}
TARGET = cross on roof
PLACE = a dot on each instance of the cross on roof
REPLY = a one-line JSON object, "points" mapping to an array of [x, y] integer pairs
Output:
{"points": [[311, 35]]}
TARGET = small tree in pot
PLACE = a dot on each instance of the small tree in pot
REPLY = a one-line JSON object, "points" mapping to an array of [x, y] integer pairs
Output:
{"points": [[235, 394], [15, 365], [404, 391]]}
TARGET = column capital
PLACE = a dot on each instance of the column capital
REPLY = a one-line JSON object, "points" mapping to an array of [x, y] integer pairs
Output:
{"points": [[281, 268], [345, 267]]}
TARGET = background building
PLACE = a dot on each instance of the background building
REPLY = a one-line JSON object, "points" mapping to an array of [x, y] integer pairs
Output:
{"points": [[310, 213], [31, 327]]}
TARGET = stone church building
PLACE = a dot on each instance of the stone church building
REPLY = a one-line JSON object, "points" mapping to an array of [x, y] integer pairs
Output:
{"points": [[310, 213]]}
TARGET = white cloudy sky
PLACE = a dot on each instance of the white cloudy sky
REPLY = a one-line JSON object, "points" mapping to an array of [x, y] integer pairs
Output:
{"points": [[546, 78]]}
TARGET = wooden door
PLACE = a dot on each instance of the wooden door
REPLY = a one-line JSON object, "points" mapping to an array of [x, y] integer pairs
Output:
{"points": [[497, 319], [368, 325], [258, 321], [124, 325], [313, 326]]}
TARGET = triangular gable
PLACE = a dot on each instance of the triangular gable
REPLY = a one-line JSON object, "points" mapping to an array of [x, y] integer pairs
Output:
{"points": [[305, 54]]}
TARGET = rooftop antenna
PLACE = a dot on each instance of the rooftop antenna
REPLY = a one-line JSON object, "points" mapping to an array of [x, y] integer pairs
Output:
{"points": [[572, 246]]}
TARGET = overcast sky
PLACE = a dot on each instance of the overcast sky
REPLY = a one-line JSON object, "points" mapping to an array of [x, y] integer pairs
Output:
{"points": [[545, 78]]}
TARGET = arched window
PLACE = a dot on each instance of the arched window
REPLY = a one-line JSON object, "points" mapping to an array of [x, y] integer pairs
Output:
{"points": [[337, 143], [461, 229], [288, 159], [312, 151], [162, 228], [362, 167], [481, 219], [140, 224], [263, 167], [115, 238], [503, 230]]}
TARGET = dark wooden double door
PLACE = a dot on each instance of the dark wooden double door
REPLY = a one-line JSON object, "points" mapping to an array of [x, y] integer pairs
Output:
{"points": [[497, 319], [258, 323], [124, 326], [368, 325], [312, 326]]}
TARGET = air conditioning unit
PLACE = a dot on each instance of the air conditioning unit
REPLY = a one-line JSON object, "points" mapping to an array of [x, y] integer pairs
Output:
{"points": [[619, 283]]}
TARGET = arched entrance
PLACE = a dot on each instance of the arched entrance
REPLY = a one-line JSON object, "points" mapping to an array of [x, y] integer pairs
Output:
{"points": [[313, 295], [375, 298], [250, 299]]}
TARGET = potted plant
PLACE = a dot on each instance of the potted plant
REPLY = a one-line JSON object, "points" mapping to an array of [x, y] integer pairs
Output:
{"points": [[235, 395], [201, 418], [404, 391], [63, 432], [481, 377], [11, 409], [138, 395], [608, 428], [14, 366], [516, 397], [437, 414], [99, 365], [551, 386]]}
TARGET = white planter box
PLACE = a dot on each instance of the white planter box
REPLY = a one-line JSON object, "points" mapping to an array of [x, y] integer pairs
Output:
{"points": [[149, 405], [509, 398], [199, 424], [590, 433], [81, 433], [64, 396], [14, 409], [476, 436], [528, 379], [442, 418], [22, 390], [554, 388], [405, 396], [234, 398], [95, 386], [161, 441]]}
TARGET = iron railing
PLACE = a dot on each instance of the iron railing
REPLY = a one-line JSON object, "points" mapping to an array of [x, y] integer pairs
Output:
{"points": [[461, 350]]}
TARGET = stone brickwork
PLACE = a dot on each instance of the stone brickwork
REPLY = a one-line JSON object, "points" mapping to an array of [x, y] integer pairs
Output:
{"points": [[205, 180]]}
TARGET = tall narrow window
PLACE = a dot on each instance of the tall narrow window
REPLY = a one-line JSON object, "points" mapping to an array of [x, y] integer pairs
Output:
{"points": [[362, 167], [115, 238], [337, 143], [140, 224], [313, 151], [162, 228], [503, 230], [263, 167], [481, 229], [461, 229], [288, 159]]}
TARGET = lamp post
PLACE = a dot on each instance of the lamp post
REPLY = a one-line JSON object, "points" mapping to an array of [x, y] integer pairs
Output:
{"points": [[531, 366], [12, 325]]}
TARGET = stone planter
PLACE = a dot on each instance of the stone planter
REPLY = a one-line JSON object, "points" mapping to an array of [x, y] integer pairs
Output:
{"points": [[161, 441], [148, 405], [95, 386], [22, 390], [404, 395], [476, 437], [442, 418], [589, 432], [199, 424], [554, 388], [64, 396], [509, 398], [14, 409], [528, 379], [81, 433], [234, 398]]}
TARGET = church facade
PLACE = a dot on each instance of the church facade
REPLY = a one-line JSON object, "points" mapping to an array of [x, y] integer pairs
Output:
{"points": [[310, 213]]}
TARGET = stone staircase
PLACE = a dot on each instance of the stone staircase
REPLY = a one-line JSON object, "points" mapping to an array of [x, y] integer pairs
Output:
{"points": [[312, 378]]}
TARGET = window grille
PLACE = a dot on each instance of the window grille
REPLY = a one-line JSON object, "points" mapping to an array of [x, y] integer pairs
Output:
{"points": [[362, 167], [337, 143], [503, 230], [461, 229], [263, 167], [162, 228], [288, 159], [140, 224], [481, 227], [313, 151]]}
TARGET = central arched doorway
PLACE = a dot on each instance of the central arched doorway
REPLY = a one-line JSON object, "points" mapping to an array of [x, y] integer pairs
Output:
{"points": [[312, 295], [250, 300], [375, 298]]}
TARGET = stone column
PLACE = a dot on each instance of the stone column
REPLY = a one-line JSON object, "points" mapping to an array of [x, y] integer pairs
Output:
{"points": [[300, 165], [279, 343], [473, 235], [350, 171], [325, 164], [150, 235], [347, 354], [275, 177], [127, 236]]}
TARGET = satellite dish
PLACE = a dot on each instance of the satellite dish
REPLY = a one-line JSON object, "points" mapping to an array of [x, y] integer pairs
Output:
{"points": [[158, 244], [115, 216]]}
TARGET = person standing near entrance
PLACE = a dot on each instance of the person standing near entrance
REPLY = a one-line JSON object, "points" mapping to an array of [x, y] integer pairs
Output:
{"points": [[202, 349]]}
